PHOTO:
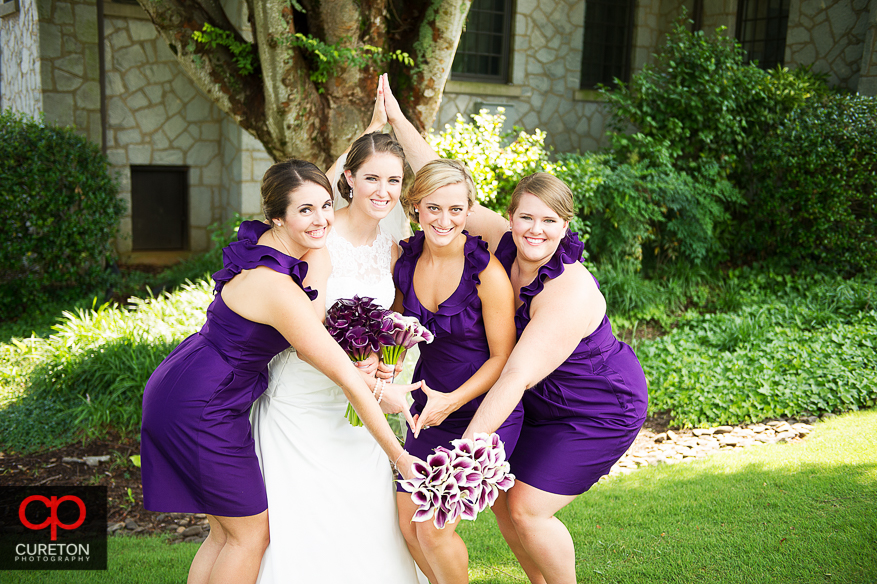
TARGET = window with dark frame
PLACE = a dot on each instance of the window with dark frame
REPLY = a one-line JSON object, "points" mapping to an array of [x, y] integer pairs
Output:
{"points": [[483, 51], [608, 42], [761, 29], [8, 7], [160, 208]]}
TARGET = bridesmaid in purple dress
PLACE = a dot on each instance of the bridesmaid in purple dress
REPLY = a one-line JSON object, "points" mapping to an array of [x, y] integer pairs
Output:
{"points": [[459, 291], [197, 449], [584, 392]]}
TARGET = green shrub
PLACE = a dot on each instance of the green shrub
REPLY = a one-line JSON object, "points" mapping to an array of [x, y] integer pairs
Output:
{"points": [[814, 190], [702, 103], [800, 344], [497, 160], [98, 360], [59, 211], [648, 206]]}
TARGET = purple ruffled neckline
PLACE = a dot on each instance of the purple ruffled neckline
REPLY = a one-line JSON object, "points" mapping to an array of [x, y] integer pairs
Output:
{"points": [[477, 257], [246, 253], [568, 251]]}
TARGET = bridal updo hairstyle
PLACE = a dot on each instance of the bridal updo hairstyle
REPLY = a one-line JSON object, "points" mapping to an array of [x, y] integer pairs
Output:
{"points": [[361, 150], [547, 188], [434, 175], [282, 179]]}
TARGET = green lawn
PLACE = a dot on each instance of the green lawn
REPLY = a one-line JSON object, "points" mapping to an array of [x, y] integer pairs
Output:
{"points": [[789, 513]]}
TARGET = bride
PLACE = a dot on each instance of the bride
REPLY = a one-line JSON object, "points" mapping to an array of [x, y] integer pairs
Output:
{"points": [[331, 502]]}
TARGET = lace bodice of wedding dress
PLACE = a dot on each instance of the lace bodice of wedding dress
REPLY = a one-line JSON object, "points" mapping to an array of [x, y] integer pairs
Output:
{"points": [[363, 270]]}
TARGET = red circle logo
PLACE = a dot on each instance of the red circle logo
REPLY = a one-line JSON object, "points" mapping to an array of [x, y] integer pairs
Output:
{"points": [[53, 521]]}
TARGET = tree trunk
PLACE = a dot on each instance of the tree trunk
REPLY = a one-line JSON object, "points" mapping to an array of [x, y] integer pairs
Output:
{"points": [[278, 103]]}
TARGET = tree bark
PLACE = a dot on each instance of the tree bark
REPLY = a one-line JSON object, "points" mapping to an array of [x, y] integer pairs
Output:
{"points": [[278, 103]]}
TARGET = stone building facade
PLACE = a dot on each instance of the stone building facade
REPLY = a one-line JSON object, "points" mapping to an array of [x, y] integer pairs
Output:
{"points": [[544, 89], [148, 115], [155, 116]]}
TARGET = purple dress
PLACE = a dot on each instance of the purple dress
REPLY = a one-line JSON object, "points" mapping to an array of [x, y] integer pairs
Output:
{"points": [[459, 349], [584, 416], [197, 450]]}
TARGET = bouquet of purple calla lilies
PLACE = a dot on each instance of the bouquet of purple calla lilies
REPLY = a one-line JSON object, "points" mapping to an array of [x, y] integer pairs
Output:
{"points": [[356, 324], [406, 332], [359, 325], [461, 482]]}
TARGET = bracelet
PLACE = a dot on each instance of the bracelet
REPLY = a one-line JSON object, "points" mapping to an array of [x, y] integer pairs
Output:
{"points": [[398, 457], [382, 393], [379, 383]]}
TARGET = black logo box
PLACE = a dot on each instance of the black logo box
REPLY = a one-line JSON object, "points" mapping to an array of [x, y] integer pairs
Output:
{"points": [[28, 544]]}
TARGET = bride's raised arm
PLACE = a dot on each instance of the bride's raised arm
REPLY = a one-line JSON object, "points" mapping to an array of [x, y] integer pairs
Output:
{"points": [[377, 123], [490, 225]]}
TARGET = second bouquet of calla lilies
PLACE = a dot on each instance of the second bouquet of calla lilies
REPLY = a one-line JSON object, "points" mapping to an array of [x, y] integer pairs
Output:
{"points": [[362, 327], [459, 483]]}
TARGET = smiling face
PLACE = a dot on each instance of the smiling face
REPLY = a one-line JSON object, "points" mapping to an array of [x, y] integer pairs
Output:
{"points": [[308, 218], [536, 229], [376, 185], [442, 214]]}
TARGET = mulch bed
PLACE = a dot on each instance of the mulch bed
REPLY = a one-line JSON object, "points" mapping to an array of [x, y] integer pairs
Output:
{"points": [[122, 479], [125, 495]]}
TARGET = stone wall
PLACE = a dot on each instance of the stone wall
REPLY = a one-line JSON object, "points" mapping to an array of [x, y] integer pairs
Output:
{"points": [[69, 67], [19, 60], [244, 164], [544, 90], [646, 33], [156, 116], [868, 71], [830, 34], [718, 13]]}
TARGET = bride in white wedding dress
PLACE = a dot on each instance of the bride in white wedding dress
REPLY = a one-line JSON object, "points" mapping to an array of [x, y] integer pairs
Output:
{"points": [[331, 501]]}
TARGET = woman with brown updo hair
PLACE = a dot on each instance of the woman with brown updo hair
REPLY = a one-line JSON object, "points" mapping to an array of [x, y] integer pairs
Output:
{"points": [[329, 485], [197, 452]]}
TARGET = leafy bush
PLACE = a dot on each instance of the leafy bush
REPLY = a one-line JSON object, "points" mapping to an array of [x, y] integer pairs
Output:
{"points": [[497, 160], [702, 103], [98, 360], [59, 211], [800, 345], [814, 193], [648, 205]]}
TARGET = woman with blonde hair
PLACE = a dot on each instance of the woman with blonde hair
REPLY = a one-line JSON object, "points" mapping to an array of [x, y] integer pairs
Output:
{"points": [[457, 289], [583, 391]]}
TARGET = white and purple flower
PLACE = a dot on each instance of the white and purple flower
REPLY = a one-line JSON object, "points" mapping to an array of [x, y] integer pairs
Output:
{"points": [[461, 482], [404, 333]]}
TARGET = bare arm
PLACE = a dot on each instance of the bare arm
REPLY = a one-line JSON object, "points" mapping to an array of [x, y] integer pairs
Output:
{"points": [[377, 123], [490, 225], [417, 150], [569, 309], [319, 268], [498, 311]]}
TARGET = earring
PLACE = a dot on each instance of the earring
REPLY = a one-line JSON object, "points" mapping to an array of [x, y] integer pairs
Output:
{"points": [[278, 224]]}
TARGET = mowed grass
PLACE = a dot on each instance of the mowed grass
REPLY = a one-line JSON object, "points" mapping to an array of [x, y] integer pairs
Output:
{"points": [[787, 513]]}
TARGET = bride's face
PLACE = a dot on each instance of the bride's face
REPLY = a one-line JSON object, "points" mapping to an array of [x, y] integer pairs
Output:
{"points": [[376, 186]]}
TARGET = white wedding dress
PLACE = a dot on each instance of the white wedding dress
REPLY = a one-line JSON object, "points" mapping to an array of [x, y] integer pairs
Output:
{"points": [[331, 500]]}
